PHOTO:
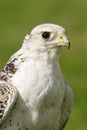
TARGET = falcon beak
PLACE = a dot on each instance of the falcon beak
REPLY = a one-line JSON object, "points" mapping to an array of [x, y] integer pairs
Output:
{"points": [[62, 40]]}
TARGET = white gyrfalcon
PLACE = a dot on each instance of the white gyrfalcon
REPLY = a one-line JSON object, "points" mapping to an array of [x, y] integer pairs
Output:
{"points": [[33, 93]]}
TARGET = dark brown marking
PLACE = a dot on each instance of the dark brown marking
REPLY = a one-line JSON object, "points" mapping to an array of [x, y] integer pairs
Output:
{"points": [[10, 68], [1, 116]]}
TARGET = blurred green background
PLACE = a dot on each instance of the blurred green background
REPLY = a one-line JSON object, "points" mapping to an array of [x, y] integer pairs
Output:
{"points": [[18, 17]]}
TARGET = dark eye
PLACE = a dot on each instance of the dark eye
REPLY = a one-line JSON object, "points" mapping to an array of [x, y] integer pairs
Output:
{"points": [[46, 35]]}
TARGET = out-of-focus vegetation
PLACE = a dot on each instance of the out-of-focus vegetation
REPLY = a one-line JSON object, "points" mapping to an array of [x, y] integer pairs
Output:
{"points": [[17, 18]]}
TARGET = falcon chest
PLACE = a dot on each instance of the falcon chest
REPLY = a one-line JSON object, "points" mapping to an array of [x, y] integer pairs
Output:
{"points": [[41, 86]]}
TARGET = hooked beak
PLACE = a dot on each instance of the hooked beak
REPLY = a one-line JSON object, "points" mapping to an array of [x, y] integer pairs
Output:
{"points": [[62, 41]]}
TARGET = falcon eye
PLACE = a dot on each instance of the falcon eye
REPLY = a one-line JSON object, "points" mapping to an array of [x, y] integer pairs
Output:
{"points": [[46, 35]]}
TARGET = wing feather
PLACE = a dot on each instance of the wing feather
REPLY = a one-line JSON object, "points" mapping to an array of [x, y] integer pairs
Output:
{"points": [[8, 95], [66, 106]]}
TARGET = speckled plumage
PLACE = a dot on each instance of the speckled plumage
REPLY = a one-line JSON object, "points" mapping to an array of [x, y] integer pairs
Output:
{"points": [[33, 93], [8, 95]]}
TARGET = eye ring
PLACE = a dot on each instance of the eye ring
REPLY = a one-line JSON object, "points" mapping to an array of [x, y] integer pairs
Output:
{"points": [[46, 35]]}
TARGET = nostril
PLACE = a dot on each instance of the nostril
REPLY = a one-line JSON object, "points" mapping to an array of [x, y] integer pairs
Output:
{"points": [[61, 37]]}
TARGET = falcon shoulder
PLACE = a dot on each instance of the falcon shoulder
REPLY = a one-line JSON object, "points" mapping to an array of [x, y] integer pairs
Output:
{"points": [[8, 96], [66, 106], [8, 93], [11, 66]]}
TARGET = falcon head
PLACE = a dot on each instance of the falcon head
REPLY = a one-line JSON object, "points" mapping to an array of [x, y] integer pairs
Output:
{"points": [[47, 36]]}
